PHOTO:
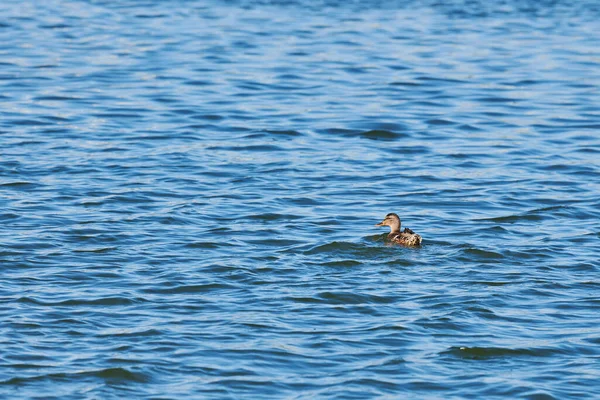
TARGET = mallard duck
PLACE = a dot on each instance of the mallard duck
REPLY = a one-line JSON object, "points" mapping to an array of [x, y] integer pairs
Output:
{"points": [[407, 238]]}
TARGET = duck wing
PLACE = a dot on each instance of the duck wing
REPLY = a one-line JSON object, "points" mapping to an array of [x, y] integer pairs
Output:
{"points": [[407, 239]]}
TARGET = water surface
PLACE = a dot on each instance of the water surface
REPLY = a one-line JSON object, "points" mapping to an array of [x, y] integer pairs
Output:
{"points": [[188, 192]]}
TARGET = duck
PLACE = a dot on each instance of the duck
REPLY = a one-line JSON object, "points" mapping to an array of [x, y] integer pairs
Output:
{"points": [[406, 238]]}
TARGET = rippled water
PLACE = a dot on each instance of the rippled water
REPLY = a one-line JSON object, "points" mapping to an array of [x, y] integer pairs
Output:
{"points": [[188, 192]]}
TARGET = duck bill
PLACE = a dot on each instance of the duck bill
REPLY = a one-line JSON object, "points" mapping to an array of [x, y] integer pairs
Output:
{"points": [[380, 224]]}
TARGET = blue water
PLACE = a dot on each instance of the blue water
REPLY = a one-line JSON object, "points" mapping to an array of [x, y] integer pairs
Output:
{"points": [[188, 191]]}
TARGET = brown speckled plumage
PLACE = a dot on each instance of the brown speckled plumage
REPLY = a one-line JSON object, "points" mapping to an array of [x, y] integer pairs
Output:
{"points": [[406, 237]]}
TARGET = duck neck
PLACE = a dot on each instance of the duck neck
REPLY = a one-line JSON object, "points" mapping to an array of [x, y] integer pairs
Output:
{"points": [[395, 227]]}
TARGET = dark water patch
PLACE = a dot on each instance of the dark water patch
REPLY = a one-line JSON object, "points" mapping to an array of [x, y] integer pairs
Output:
{"points": [[290, 133], [302, 201], [353, 298], [375, 134], [150, 16], [207, 245], [428, 103], [511, 219], [196, 82], [341, 131], [440, 122], [55, 26], [185, 289], [209, 117], [482, 255], [380, 135], [289, 77], [97, 250], [397, 67], [21, 185], [55, 118], [404, 150], [469, 128], [342, 263], [333, 247], [495, 283], [439, 80], [526, 82], [108, 301], [583, 126], [375, 124], [272, 217], [256, 148], [342, 298], [29, 122], [115, 115], [496, 229], [405, 83], [527, 254], [56, 98], [485, 353], [109, 375]]}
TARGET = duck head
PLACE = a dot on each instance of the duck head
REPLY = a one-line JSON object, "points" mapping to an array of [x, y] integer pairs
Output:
{"points": [[392, 220]]}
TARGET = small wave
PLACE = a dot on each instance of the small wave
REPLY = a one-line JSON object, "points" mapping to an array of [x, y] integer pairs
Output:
{"points": [[332, 247], [493, 99], [344, 298], [19, 184], [486, 254], [208, 245], [439, 80], [511, 219], [117, 115], [95, 250], [377, 134], [405, 150], [526, 82], [496, 229], [532, 215], [135, 332], [469, 128], [272, 217], [342, 263], [283, 133], [196, 82], [405, 83], [209, 117], [439, 121], [55, 98], [182, 289], [274, 242], [491, 283], [30, 122]]}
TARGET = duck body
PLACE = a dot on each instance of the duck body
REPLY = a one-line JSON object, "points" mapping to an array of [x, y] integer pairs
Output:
{"points": [[406, 237]]}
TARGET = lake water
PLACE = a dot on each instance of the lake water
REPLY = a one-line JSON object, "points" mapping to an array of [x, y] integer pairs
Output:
{"points": [[188, 193]]}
